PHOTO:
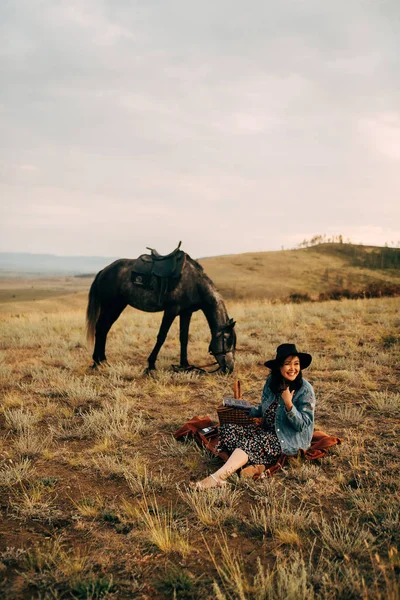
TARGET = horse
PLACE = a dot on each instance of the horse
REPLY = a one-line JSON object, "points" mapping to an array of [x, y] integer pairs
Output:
{"points": [[149, 284]]}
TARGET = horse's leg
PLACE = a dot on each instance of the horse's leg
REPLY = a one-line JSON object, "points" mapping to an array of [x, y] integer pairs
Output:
{"points": [[109, 313], [184, 322], [167, 320]]}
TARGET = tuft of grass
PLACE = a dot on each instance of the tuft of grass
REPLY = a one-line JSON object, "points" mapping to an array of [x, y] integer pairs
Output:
{"points": [[214, 506], [34, 502], [365, 500], [73, 563], [90, 507], [344, 537], [20, 420], [66, 428], [385, 522], [30, 443], [163, 530], [13, 473], [178, 583], [287, 537], [232, 572], [111, 465], [12, 399], [64, 572], [337, 579], [351, 414], [359, 458], [130, 510], [115, 421], [278, 517], [75, 391], [193, 462], [141, 481], [290, 579], [386, 402], [171, 448], [6, 374], [45, 556], [93, 587]]}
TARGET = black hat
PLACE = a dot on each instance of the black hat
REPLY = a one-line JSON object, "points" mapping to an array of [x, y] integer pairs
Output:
{"points": [[285, 350]]}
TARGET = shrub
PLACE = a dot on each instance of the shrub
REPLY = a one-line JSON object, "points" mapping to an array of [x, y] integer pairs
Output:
{"points": [[298, 298]]}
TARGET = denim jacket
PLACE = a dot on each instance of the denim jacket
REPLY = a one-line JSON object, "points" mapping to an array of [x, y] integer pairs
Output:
{"points": [[295, 428]]}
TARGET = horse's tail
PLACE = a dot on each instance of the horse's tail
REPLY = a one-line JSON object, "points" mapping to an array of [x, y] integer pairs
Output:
{"points": [[93, 309]]}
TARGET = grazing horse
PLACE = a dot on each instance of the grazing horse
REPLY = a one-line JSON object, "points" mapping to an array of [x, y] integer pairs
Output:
{"points": [[153, 283]]}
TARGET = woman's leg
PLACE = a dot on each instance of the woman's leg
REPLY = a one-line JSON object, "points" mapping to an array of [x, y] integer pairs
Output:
{"points": [[237, 459]]}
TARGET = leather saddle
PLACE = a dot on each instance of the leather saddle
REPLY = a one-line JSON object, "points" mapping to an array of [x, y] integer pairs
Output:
{"points": [[167, 268]]}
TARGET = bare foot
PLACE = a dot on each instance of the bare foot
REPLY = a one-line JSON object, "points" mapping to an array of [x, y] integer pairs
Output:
{"points": [[208, 483]]}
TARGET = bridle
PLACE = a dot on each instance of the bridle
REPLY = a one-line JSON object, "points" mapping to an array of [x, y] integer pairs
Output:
{"points": [[220, 332]]}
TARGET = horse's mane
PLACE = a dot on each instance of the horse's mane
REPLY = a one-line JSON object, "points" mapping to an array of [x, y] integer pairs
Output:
{"points": [[195, 263], [201, 271]]}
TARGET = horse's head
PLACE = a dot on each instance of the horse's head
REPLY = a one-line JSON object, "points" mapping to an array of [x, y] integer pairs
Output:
{"points": [[223, 346]]}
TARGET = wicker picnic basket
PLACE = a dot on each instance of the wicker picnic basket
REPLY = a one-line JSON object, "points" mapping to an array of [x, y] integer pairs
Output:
{"points": [[235, 415]]}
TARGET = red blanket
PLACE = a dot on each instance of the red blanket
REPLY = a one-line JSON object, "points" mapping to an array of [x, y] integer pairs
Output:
{"points": [[320, 442]]}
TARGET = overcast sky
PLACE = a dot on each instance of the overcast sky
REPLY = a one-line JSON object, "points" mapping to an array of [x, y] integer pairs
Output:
{"points": [[233, 126]]}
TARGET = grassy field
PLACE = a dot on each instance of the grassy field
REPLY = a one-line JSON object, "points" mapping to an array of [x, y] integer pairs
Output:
{"points": [[14, 290], [95, 501]]}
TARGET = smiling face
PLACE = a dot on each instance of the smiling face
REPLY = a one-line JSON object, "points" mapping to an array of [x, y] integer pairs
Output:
{"points": [[290, 368]]}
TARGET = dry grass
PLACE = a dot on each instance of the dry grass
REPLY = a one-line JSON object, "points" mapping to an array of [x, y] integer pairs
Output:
{"points": [[386, 401], [19, 420], [30, 443], [215, 506], [114, 420], [289, 579], [162, 529], [277, 516], [35, 503], [344, 537], [95, 497], [14, 473]]}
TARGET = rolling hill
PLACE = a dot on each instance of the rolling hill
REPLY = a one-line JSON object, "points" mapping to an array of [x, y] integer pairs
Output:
{"points": [[309, 270], [254, 275]]}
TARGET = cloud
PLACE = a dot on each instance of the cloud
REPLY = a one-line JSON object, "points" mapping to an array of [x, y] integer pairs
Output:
{"points": [[235, 127], [382, 133], [29, 168]]}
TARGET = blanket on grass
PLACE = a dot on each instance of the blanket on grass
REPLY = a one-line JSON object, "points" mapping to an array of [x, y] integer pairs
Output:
{"points": [[320, 443]]}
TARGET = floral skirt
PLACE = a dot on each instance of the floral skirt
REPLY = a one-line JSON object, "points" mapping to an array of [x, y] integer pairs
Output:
{"points": [[262, 447]]}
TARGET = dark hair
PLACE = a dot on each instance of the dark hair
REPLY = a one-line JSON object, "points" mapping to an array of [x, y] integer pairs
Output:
{"points": [[277, 381]]}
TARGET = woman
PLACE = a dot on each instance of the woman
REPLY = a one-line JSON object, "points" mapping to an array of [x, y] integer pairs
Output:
{"points": [[287, 411]]}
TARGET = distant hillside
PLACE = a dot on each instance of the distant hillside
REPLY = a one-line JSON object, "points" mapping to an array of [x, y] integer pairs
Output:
{"points": [[20, 264], [307, 270], [270, 275]]}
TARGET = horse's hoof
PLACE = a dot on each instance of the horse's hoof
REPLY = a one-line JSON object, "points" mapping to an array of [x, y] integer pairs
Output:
{"points": [[150, 371], [99, 365]]}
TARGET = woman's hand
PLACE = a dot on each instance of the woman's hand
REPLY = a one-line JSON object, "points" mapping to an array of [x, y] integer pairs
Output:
{"points": [[287, 397]]}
